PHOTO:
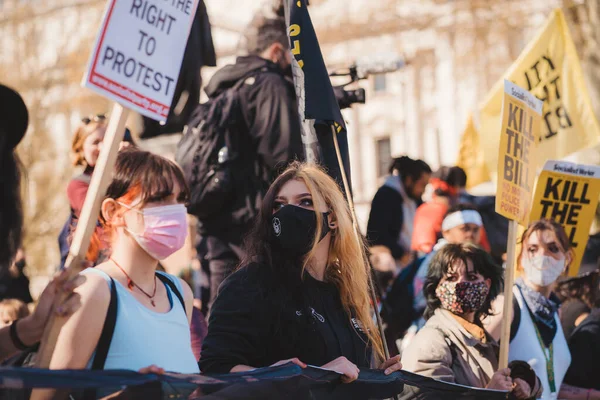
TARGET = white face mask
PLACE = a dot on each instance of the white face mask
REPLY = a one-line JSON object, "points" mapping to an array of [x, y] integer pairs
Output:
{"points": [[543, 270]]}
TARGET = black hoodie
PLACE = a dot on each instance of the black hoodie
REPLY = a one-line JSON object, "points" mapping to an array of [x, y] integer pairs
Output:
{"points": [[270, 111], [269, 106]]}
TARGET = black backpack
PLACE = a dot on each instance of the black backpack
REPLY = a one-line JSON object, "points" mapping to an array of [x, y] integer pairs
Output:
{"points": [[216, 156]]}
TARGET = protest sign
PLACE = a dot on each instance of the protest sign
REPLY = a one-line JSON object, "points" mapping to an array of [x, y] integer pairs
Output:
{"points": [[521, 116], [138, 53], [549, 68], [520, 130], [471, 158], [568, 193], [136, 62]]}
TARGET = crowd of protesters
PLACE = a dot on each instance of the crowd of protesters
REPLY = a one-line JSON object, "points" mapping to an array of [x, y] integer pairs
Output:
{"points": [[291, 284]]}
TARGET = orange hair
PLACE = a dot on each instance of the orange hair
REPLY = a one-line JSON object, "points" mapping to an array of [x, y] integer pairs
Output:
{"points": [[138, 175]]}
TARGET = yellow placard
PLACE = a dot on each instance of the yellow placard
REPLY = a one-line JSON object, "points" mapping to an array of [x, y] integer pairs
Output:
{"points": [[549, 68], [470, 157], [568, 193], [521, 117]]}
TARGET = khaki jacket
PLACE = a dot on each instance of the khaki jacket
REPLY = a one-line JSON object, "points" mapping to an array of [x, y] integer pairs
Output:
{"points": [[445, 350]]}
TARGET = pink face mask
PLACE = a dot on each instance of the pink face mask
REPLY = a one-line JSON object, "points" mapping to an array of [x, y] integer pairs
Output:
{"points": [[165, 230]]}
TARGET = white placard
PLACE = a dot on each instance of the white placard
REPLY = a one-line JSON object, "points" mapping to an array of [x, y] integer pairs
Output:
{"points": [[138, 53], [569, 168]]}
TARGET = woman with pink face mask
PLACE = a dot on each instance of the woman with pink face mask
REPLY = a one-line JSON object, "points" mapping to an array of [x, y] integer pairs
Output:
{"points": [[144, 219]]}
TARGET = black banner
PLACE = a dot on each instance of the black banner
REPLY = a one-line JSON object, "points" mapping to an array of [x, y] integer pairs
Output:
{"points": [[320, 103], [287, 381]]}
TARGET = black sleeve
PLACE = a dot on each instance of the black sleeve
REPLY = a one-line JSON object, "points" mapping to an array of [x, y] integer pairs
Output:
{"points": [[516, 321], [584, 345], [385, 222], [276, 124], [238, 326]]}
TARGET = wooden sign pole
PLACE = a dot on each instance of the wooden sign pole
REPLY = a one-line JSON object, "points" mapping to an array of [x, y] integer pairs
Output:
{"points": [[87, 221], [509, 281]]}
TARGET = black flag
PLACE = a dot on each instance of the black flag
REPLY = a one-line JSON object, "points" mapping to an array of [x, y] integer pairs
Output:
{"points": [[315, 94]]}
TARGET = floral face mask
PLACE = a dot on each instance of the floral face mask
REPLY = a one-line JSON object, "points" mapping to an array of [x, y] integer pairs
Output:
{"points": [[462, 297]]}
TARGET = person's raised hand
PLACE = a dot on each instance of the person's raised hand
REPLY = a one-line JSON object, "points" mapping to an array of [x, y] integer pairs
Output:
{"points": [[343, 366], [391, 365], [290, 360], [501, 380], [47, 302]]}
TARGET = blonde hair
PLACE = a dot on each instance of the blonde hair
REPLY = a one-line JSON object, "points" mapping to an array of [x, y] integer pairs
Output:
{"points": [[83, 131], [14, 309], [347, 266]]}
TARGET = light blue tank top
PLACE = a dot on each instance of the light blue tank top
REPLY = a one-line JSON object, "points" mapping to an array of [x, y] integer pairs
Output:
{"points": [[143, 337]]}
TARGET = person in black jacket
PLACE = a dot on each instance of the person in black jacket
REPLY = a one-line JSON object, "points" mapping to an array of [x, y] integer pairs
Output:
{"points": [[393, 209], [584, 345], [267, 103], [301, 294], [580, 318]]}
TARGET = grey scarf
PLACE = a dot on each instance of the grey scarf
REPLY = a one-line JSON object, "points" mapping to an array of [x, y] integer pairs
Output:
{"points": [[542, 309]]}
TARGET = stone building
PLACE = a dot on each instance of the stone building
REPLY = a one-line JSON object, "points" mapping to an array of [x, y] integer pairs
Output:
{"points": [[454, 52]]}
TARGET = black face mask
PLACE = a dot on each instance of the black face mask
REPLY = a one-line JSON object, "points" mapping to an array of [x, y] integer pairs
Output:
{"points": [[294, 228]]}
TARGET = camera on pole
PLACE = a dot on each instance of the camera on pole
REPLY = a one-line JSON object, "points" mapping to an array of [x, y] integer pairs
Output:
{"points": [[361, 70]]}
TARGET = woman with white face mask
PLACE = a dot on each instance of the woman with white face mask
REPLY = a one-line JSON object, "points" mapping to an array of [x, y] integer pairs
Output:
{"points": [[536, 333], [144, 219]]}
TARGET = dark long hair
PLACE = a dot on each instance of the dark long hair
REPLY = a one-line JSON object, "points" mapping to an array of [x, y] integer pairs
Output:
{"points": [[13, 125], [482, 264], [11, 209]]}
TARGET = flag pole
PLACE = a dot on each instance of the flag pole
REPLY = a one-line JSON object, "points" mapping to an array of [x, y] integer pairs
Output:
{"points": [[357, 231]]}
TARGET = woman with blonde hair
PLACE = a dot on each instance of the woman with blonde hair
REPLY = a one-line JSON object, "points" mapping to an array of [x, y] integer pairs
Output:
{"points": [[85, 150], [301, 293]]}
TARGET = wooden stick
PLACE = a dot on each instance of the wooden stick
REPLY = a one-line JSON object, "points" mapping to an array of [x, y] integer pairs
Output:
{"points": [[87, 221], [509, 281], [357, 230]]}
